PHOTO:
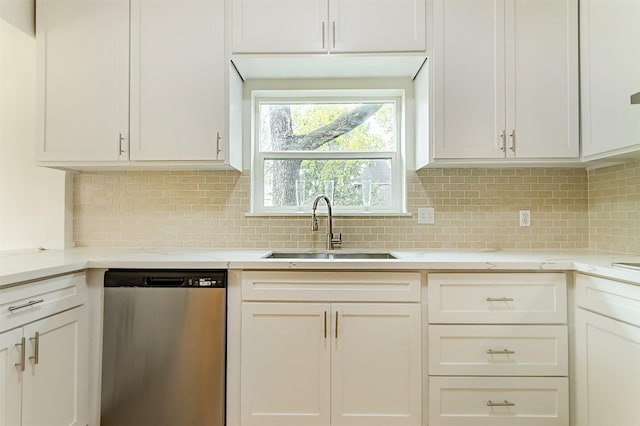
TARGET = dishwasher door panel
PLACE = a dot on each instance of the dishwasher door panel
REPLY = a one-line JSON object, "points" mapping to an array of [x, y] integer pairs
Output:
{"points": [[163, 357]]}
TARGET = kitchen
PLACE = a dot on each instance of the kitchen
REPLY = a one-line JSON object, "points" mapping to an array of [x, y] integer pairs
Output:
{"points": [[476, 208]]}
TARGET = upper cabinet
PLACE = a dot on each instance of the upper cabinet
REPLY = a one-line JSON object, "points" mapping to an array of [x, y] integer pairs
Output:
{"points": [[504, 82], [336, 26], [157, 90], [83, 73], [178, 107], [610, 74]]}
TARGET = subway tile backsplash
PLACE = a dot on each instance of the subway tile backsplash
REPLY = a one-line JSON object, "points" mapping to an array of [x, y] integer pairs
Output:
{"points": [[614, 208], [475, 208]]}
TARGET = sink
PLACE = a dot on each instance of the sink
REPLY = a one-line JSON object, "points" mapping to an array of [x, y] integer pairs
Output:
{"points": [[328, 255], [628, 265]]}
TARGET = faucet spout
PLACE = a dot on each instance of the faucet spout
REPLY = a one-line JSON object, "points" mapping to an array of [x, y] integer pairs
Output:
{"points": [[331, 240]]}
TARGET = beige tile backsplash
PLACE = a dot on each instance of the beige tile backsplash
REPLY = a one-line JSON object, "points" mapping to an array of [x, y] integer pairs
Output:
{"points": [[475, 208], [614, 208]]}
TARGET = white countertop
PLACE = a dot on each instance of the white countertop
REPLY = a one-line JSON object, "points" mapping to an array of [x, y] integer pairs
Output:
{"points": [[20, 266]]}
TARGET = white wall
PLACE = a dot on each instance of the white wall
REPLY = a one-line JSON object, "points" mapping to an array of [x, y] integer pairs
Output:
{"points": [[33, 201]]}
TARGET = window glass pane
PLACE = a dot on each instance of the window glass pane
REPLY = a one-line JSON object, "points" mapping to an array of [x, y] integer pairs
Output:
{"points": [[327, 126], [347, 176]]}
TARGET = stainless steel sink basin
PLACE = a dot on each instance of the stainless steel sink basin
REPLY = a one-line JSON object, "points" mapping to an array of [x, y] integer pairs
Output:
{"points": [[328, 255]]}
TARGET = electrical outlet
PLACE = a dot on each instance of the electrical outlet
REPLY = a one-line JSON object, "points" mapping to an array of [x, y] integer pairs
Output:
{"points": [[525, 218], [427, 216]]}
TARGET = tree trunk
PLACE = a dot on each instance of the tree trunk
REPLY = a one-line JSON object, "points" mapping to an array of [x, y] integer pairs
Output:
{"points": [[285, 172]]}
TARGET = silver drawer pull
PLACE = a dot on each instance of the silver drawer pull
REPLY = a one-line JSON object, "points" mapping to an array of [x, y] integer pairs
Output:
{"points": [[499, 299], [36, 348], [502, 352], [26, 305], [500, 404], [23, 350]]}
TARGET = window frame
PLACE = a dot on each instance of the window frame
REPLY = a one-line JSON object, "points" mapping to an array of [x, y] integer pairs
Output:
{"points": [[397, 156]]}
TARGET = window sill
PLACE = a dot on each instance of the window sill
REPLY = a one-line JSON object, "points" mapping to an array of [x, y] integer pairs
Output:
{"points": [[324, 213]]}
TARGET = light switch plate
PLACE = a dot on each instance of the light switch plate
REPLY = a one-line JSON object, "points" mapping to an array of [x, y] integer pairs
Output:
{"points": [[426, 216], [525, 218]]}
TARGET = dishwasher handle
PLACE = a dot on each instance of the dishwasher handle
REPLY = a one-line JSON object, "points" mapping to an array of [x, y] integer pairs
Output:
{"points": [[164, 281]]}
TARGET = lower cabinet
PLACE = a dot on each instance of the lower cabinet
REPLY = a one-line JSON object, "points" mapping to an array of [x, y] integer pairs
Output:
{"points": [[498, 349], [607, 324], [338, 364], [44, 353], [43, 368]]}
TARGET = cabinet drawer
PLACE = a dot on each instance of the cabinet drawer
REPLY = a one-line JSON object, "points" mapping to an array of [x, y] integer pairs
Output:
{"points": [[331, 286], [498, 350], [607, 297], [497, 298], [25, 303], [538, 401]]}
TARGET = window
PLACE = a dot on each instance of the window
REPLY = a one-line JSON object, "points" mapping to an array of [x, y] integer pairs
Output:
{"points": [[343, 144]]}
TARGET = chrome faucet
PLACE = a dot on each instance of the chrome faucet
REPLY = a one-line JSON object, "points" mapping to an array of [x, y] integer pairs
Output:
{"points": [[331, 241]]}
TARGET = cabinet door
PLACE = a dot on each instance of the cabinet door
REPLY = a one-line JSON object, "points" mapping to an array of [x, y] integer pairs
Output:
{"points": [[10, 377], [285, 364], [376, 366], [542, 78], [83, 71], [469, 66], [377, 26], [288, 26], [607, 371], [177, 79], [610, 74], [55, 379]]}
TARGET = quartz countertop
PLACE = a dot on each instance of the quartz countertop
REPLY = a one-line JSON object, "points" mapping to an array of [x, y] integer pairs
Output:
{"points": [[23, 266]]}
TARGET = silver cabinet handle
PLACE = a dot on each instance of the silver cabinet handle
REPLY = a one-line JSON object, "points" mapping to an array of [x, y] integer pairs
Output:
{"points": [[334, 34], [336, 324], [218, 139], [26, 305], [21, 364], [325, 324], [36, 348], [512, 135], [503, 138], [499, 299], [121, 143], [502, 352], [323, 36], [500, 404]]}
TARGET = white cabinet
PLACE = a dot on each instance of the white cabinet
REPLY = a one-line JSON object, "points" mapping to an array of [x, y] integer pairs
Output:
{"points": [[499, 401], [610, 74], [498, 349], [179, 95], [309, 363], [497, 298], [285, 364], [607, 324], [82, 77], [43, 363], [185, 98], [503, 88], [375, 365], [337, 26]]}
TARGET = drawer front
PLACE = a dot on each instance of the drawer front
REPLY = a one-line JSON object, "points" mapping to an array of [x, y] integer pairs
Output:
{"points": [[498, 350], [495, 298], [498, 401], [331, 286], [29, 302], [610, 298]]}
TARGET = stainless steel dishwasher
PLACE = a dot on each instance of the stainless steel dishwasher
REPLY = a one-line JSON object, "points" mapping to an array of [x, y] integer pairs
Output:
{"points": [[163, 355]]}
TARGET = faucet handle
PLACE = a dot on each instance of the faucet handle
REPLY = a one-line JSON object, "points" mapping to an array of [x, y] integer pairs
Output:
{"points": [[337, 241]]}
